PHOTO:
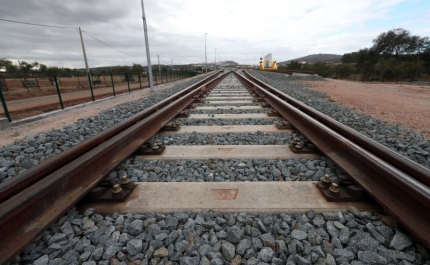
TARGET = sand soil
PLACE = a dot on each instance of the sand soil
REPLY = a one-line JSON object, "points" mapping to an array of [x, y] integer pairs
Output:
{"points": [[407, 105]]}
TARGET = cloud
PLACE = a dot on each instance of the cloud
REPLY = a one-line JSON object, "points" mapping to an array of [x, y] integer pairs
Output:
{"points": [[241, 30]]}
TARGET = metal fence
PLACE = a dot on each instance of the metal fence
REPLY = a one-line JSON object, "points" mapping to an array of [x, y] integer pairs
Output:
{"points": [[23, 85]]}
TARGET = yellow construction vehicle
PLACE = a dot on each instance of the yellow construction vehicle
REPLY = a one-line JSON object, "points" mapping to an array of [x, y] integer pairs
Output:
{"points": [[268, 64], [273, 67]]}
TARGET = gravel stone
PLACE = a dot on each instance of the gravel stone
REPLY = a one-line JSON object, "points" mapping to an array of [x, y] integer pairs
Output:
{"points": [[243, 245], [216, 261], [189, 261], [301, 261], [268, 240], [266, 254], [134, 246], [171, 223], [109, 252], [400, 241], [228, 250], [43, 260], [181, 246], [298, 234], [161, 253], [135, 227], [371, 258], [343, 253], [234, 235]]}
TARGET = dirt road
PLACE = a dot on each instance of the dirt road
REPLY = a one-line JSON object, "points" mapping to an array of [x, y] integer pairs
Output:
{"points": [[38, 102]]}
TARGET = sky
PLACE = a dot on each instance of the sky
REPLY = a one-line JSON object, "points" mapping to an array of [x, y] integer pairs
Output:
{"points": [[238, 30]]}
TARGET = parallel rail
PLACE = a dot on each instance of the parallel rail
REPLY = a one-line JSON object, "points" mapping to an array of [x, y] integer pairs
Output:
{"points": [[290, 72], [397, 183], [32, 201]]}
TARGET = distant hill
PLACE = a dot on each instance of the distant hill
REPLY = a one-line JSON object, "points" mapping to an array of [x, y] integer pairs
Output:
{"points": [[230, 63], [313, 58]]}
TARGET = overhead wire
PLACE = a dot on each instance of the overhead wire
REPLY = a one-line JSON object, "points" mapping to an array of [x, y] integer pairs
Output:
{"points": [[110, 45], [68, 27], [35, 24]]}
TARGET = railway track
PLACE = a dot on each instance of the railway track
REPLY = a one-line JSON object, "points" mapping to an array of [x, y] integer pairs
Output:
{"points": [[247, 122]]}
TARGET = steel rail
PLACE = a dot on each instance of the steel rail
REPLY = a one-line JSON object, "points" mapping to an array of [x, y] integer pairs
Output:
{"points": [[410, 167], [402, 195], [27, 214], [289, 72], [11, 187]]}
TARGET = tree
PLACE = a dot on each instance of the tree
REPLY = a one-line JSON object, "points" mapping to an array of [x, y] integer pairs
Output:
{"points": [[321, 69], [137, 68], [43, 68], [398, 42], [26, 68], [293, 65], [8, 65], [345, 70], [349, 57]]}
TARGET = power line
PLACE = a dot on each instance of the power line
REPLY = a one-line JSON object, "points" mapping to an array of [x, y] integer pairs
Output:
{"points": [[40, 25], [66, 27], [109, 45]]}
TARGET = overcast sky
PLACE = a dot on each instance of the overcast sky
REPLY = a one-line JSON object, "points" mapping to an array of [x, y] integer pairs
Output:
{"points": [[240, 30]]}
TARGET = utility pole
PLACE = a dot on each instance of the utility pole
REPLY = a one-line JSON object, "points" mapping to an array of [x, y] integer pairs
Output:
{"points": [[206, 58], [148, 56], [172, 67], [159, 67], [215, 58], [90, 81]]}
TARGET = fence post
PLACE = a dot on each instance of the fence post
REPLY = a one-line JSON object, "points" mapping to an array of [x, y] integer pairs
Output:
{"points": [[91, 85], [58, 90], [140, 80], [113, 84], [37, 81], [4, 83], [3, 101], [127, 76], [155, 77]]}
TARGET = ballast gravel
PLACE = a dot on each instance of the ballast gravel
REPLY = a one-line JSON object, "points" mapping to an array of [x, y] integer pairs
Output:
{"points": [[408, 143], [209, 238], [228, 111], [251, 138], [139, 169], [210, 103], [211, 120], [25, 153]]}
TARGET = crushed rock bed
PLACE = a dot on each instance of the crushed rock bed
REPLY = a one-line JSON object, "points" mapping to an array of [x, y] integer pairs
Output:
{"points": [[251, 138], [25, 153], [211, 121], [210, 238], [227, 111], [214, 104], [394, 136], [139, 169]]}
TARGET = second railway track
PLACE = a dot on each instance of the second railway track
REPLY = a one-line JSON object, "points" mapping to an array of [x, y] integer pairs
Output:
{"points": [[243, 149]]}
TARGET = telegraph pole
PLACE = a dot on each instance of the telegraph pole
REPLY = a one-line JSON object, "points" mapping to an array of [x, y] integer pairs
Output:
{"points": [[159, 67], [215, 58], [172, 67], [206, 57], [148, 56], [90, 81]]}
